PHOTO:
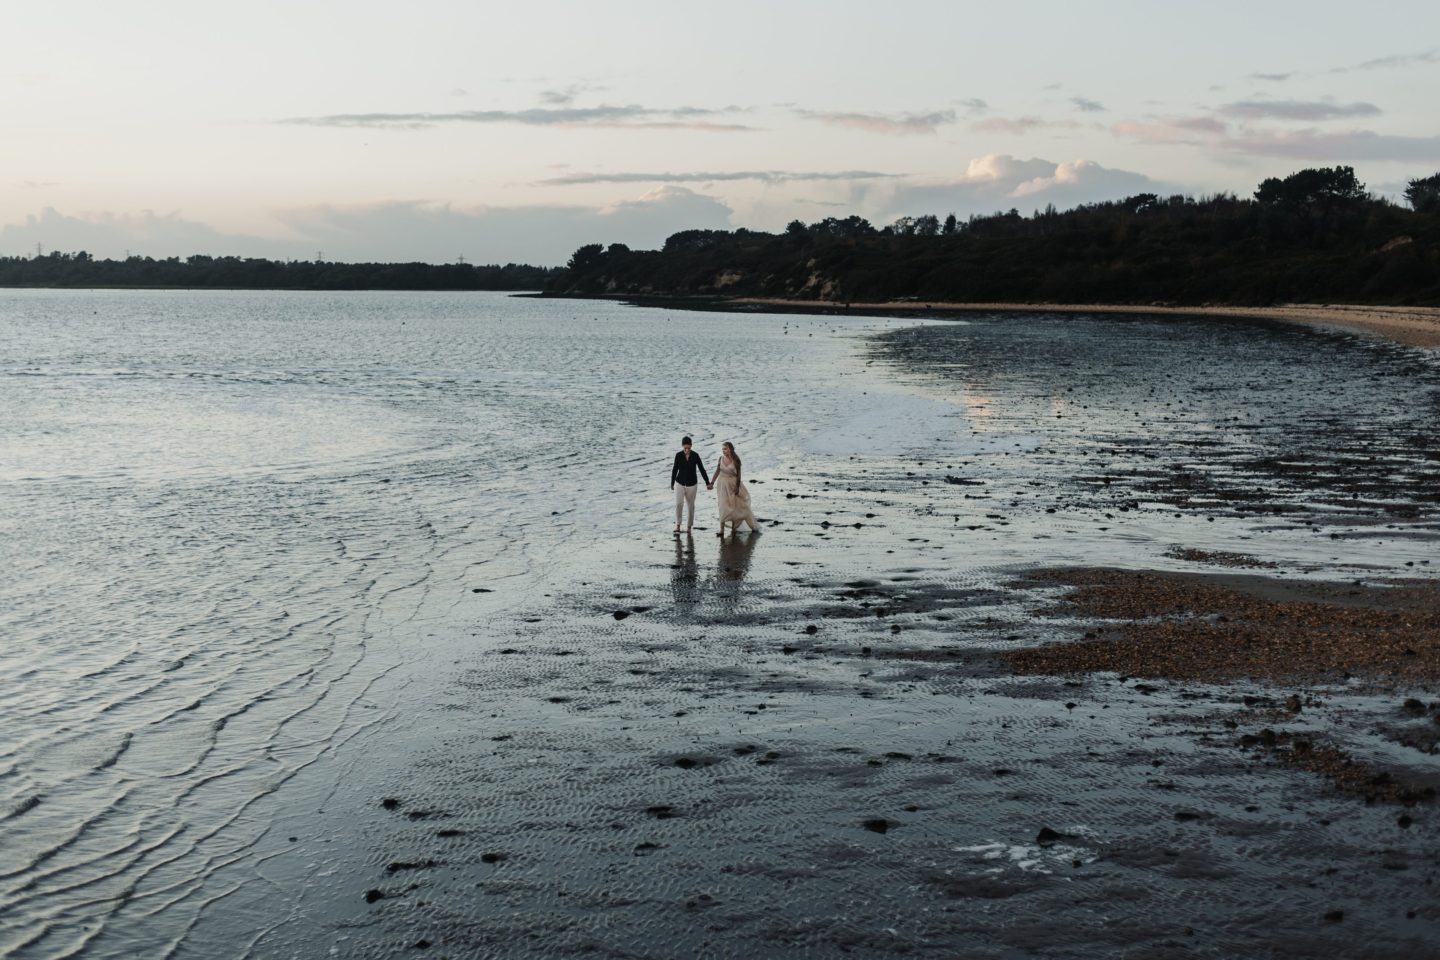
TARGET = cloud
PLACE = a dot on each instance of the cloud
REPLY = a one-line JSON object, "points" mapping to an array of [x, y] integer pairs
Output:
{"points": [[1305, 110], [1328, 146], [420, 230], [898, 124], [1182, 130], [999, 181], [763, 176], [631, 116], [1270, 77], [396, 231], [1394, 60], [973, 105], [111, 234], [1020, 125], [565, 96], [1332, 146], [1086, 105]]}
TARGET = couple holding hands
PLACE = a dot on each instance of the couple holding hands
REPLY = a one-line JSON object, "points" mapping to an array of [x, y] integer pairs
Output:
{"points": [[731, 494]]}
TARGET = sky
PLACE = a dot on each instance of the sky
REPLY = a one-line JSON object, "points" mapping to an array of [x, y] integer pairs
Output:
{"points": [[516, 132]]}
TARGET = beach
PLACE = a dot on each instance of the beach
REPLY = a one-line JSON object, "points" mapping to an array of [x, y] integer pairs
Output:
{"points": [[1413, 326], [1088, 635]]}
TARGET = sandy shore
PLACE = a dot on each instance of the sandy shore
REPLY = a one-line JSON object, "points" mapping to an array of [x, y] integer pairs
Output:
{"points": [[1412, 326]]}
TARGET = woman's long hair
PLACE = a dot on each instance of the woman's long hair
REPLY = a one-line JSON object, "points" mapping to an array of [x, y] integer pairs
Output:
{"points": [[736, 457]]}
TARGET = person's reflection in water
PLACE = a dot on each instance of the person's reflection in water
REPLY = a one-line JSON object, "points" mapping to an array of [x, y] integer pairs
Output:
{"points": [[685, 573], [734, 562]]}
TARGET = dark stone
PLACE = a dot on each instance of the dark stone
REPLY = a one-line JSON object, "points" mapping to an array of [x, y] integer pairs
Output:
{"points": [[1047, 837], [493, 857], [621, 614], [390, 803], [399, 865], [372, 895], [1292, 703], [811, 629], [1335, 916], [876, 825]]}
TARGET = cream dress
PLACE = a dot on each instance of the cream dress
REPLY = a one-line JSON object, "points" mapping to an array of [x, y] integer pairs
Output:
{"points": [[732, 497]]}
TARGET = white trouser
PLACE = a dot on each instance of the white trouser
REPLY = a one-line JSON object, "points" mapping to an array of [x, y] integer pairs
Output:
{"points": [[685, 498]]}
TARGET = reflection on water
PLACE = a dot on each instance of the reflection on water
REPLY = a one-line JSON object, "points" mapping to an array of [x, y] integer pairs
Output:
{"points": [[735, 553], [722, 584], [684, 573]]}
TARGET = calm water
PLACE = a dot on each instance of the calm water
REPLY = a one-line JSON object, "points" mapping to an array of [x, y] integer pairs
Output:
{"points": [[242, 532], [234, 525]]}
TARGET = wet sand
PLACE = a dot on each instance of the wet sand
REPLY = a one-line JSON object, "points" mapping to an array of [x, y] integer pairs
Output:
{"points": [[576, 735], [886, 726], [1226, 626], [1412, 326], [773, 747]]}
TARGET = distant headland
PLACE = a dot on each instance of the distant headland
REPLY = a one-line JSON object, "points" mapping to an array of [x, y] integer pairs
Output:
{"points": [[248, 273], [1316, 236]]}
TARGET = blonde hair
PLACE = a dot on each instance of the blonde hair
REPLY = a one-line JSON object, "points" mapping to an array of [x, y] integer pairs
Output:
{"points": [[733, 456]]}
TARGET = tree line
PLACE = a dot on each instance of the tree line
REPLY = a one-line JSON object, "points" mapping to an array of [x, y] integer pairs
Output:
{"points": [[1315, 235], [199, 271]]}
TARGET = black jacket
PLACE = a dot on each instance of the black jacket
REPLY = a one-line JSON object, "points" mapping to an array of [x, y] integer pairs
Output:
{"points": [[683, 472]]}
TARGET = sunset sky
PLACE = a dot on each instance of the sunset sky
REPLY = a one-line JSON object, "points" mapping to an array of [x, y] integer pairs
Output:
{"points": [[516, 132]]}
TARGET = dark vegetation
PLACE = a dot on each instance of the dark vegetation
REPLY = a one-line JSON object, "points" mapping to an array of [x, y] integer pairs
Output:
{"points": [[82, 270], [1314, 236]]}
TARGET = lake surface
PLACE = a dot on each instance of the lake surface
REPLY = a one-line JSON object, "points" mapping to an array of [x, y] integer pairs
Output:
{"points": [[253, 541]]}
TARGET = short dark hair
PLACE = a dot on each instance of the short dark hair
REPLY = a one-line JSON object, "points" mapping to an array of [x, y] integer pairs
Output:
{"points": [[685, 442]]}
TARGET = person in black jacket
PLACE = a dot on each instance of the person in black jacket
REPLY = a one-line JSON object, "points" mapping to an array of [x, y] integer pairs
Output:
{"points": [[683, 482]]}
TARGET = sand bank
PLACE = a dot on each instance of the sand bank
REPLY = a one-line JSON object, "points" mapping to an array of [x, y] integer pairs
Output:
{"points": [[1412, 326]]}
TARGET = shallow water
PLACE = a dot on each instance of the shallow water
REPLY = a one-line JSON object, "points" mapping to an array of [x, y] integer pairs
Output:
{"points": [[243, 534]]}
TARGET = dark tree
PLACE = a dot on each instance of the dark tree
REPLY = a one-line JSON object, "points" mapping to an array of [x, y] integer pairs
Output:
{"points": [[1317, 187], [927, 226], [950, 225], [1423, 194], [1141, 201], [850, 227], [587, 257], [694, 240]]}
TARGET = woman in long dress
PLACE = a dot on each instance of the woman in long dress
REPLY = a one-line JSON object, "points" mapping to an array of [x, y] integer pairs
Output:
{"points": [[731, 494]]}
